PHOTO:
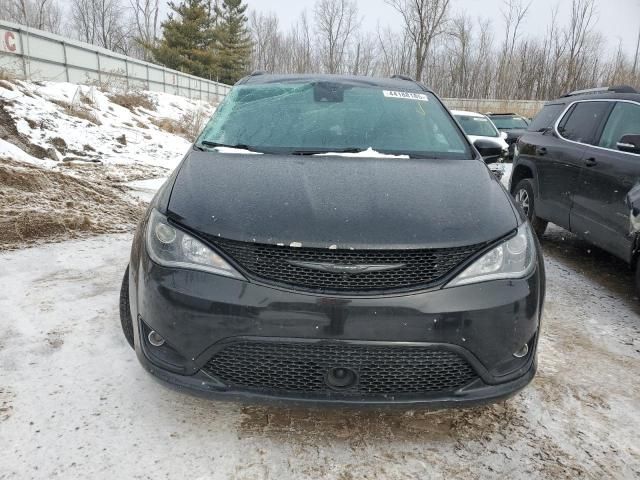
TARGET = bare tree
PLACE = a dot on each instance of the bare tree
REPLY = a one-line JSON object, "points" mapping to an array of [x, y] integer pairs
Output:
{"points": [[424, 21], [101, 22], [336, 22], [465, 61], [460, 53], [267, 41], [146, 15], [363, 58], [636, 57], [40, 14], [577, 38], [513, 13], [301, 41], [396, 52]]}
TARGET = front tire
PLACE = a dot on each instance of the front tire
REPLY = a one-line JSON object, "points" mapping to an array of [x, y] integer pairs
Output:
{"points": [[524, 196], [125, 310]]}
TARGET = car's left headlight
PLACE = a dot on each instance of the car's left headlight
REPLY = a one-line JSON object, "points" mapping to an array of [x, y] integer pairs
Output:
{"points": [[172, 247], [513, 258]]}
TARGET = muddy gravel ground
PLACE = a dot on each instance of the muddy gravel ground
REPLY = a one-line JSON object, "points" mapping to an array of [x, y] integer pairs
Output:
{"points": [[74, 402]]}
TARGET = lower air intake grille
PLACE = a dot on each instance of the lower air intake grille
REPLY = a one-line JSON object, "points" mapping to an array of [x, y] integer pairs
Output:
{"points": [[302, 369]]}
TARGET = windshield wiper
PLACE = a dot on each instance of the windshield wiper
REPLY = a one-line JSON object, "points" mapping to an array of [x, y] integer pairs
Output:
{"points": [[239, 146], [328, 150]]}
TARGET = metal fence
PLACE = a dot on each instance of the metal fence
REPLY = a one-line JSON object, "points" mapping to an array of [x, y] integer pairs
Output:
{"points": [[36, 55]]}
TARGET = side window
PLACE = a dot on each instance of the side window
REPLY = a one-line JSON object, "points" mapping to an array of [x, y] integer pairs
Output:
{"points": [[581, 122], [547, 117], [624, 120]]}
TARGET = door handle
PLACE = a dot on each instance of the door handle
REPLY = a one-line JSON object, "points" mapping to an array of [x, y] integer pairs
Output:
{"points": [[590, 162], [541, 150]]}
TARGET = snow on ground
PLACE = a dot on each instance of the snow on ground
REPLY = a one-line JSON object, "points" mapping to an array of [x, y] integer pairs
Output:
{"points": [[9, 150], [506, 173], [145, 189], [42, 115], [75, 403], [75, 162]]}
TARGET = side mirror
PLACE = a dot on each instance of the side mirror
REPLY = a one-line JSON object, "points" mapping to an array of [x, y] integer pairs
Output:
{"points": [[504, 135], [629, 144], [489, 150]]}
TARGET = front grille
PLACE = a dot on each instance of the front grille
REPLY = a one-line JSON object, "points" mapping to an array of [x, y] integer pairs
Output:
{"points": [[301, 369], [420, 267]]}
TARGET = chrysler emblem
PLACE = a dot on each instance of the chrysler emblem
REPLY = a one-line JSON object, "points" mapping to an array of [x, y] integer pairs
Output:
{"points": [[336, 268]]}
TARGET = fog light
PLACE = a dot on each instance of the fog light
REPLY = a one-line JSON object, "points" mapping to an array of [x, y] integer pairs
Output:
{"points": [[522, 352], [155, 339]]}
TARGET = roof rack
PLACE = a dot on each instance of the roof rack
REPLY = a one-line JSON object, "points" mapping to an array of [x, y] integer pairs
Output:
{"points": [[257, 73], [616, 89], [403, 77], [500, 113]]}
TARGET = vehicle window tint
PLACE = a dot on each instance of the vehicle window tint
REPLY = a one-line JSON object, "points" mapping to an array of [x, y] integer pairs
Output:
{"points": [[547, 117], [581, 122], [624, 120]]}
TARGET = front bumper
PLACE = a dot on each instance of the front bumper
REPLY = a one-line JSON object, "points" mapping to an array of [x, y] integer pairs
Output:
{"points": [[199, 313]]}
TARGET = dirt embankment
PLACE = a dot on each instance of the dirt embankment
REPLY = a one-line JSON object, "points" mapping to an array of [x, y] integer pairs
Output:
{"points": [[38, 204]]}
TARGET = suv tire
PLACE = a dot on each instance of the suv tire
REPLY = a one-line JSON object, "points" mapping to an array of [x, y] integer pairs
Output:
{"points": [[524, 196], [125, 310]]}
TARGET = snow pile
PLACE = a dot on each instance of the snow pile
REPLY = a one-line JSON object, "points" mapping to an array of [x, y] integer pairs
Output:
{"points": [[64, 122], [77, 161]]}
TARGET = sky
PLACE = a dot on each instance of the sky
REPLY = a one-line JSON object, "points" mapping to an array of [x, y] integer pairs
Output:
{"points": [[618, 20]]}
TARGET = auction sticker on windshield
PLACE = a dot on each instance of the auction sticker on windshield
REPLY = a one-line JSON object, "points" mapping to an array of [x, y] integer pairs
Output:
{"points": [[406, 95]]}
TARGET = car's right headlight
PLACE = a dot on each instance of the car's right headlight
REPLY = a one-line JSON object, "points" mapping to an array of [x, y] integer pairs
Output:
{"points": [[171, 247], [513, 258]]}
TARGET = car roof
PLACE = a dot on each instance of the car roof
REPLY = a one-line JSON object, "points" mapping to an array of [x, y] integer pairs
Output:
{"points": [[465, 113], [396, 83], [596, 95]]}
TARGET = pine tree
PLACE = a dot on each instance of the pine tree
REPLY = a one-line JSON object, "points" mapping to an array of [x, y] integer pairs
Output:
{"points": [[233, 41], [188, 39]]}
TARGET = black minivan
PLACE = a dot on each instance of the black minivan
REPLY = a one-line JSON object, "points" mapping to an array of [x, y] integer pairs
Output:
{"points": [[335, 240]]}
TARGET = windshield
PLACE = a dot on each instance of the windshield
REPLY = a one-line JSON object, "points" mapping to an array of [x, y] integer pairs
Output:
{"points": [[477, 126], [509, 123], [316, 117]]}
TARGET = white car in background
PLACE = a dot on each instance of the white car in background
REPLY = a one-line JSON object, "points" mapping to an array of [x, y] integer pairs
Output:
{"points": [[477, 126]]}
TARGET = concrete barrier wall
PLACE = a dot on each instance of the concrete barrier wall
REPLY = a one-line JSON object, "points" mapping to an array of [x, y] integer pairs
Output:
{"points": [[526, 108]]}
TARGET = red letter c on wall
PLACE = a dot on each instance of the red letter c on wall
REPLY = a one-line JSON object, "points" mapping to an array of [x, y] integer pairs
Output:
{"points": [[10, 41]]}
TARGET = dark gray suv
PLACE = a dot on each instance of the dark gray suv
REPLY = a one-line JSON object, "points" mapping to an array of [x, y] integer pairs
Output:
{"points": [[578, 166]]}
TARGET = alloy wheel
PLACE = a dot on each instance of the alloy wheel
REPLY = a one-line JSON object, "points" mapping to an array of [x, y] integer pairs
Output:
{"points": [[522, 197]]}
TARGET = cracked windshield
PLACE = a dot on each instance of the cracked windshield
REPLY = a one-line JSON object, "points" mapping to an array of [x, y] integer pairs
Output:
{"points": [[322, 116]]}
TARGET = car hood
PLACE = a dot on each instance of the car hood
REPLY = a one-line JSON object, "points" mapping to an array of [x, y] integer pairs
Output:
{"points": [[340, 202]]}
